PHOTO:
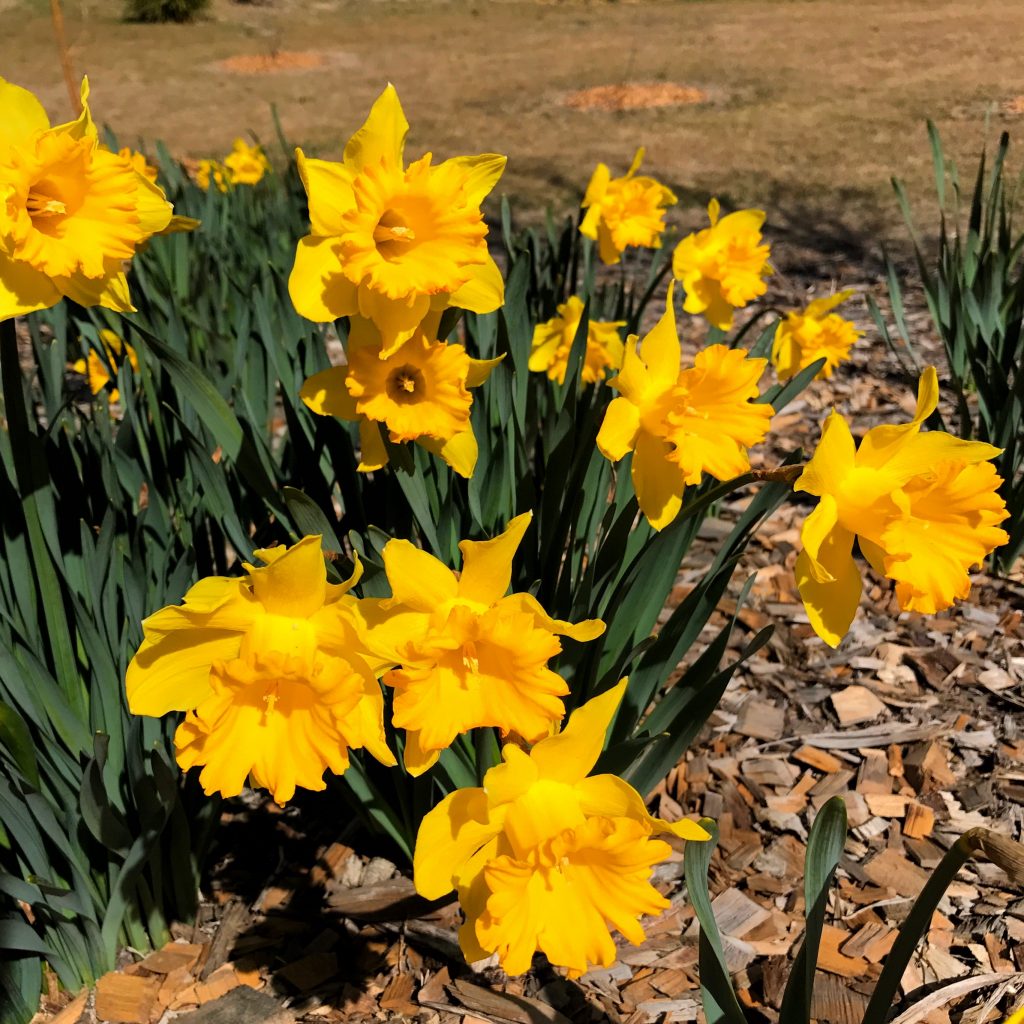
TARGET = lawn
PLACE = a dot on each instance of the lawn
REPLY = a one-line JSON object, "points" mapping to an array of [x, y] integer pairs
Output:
{"points": [[811, 105]]}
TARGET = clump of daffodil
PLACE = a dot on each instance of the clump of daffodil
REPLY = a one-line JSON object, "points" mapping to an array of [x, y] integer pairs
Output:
{"points": [[71, 212], [624, 212], [418, 393], [723, 267], [552, 343], [923, 507], [805, 337], [546, 857], [208, 171], [469, 655], [682, 423], [271, 671], [391, 242], [98, 372], [245, 164]]}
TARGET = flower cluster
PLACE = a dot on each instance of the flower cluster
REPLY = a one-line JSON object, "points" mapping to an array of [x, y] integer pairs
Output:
{"points": [[71, 211], [923, 506], [244, 165], [546, 856], [815, 333], [724, 266], [682, 423], [626, 212], [391, 242], [552, 343], [420, 392]]}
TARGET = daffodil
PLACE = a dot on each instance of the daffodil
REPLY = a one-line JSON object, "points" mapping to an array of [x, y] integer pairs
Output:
{"points": [[214, 171], [624, 212], [805, 337], [418, 393], [923, 506], [390, 242], [681, 423], [546, 856], [271, 671], [245, 164], [71, 212], [723, 267], [552, 343], [98, 372], [468, 653], [139, 163]]}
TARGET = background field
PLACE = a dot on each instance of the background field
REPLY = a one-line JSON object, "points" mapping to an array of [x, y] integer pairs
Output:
{"points": [[813, 103]]}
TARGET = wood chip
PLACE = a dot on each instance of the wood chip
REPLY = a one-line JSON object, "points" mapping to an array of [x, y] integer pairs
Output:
{"points": [[126, 998], [831, 959], [919, 822], [240, 1006], [892, 869], [856, 704], [737, 914], [760, 720], [173, 956], [818, 759]]}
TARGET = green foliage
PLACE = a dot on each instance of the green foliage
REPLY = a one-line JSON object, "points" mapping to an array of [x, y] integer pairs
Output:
{"points": [[974, 287], [153, 11]]}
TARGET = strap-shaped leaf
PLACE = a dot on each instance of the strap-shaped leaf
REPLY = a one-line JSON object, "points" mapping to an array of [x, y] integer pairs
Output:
{"points": [[824, 848], [716, 989]]}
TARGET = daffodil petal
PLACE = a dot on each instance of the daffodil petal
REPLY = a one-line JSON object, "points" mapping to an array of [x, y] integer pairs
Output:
{"points": [[326, 394], [570, 755], [487, 564], [24, 116], [318, 289], [619, 429], [373, 453], [657, 480], [484, 292], [482, 174], [329, 188], [172, 673], [612, 797], [382, 136], [23, 289], [832, 605], [448, 837], [660, 348], [417, 578]]}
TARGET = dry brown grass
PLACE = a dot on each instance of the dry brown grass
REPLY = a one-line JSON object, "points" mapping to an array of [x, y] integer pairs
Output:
{"points": [[813, 104]]}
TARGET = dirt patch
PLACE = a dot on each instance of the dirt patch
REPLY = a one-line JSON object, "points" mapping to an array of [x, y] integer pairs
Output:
{"points": [[636, 96], [272, 63], [1015, 105]]}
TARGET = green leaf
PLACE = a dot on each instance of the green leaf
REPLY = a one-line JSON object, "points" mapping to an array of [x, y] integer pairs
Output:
{"points": [[716, 989], [824, 848], [16, 738]]}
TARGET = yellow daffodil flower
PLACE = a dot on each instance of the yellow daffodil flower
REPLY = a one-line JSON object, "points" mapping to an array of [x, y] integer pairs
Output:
{"points": [[681, 423], [626, 211], [724, 266], [804, 338], [469, 655], [923, 506], [390, 242], [139, 163], [546, 856], [71, 212], [96, 370], [212, 171], [419, 393], [245, 164], [552, 343], [271, 671]]}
